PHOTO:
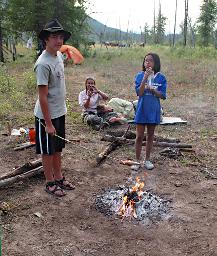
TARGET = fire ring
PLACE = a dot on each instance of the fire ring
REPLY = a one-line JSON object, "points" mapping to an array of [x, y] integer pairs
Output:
{"points": [[133, 203]]}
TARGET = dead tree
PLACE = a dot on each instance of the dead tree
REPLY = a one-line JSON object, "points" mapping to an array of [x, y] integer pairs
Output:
{"points": [[174, 32], [185, 23], [1, 44]]}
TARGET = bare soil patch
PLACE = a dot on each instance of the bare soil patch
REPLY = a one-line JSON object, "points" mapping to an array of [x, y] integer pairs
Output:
{"points": [[72, 226]]}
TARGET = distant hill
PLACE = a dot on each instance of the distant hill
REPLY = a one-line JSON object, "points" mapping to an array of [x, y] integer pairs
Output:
{"points": [[100, 32]]}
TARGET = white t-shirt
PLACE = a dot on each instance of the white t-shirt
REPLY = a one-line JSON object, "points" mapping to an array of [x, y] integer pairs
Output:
{"points": [[50, 71], [94, 101]]}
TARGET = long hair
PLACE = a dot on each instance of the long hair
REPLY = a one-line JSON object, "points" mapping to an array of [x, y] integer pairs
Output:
{"points": [[157, 65]]}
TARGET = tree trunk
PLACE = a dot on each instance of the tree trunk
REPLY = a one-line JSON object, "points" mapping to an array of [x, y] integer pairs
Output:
{"points": [[1, 44], [174, 32], [185, 23]]}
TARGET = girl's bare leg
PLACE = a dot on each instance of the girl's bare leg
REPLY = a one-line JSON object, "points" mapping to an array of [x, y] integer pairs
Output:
{"points": [[149, 140], [140, 129]]}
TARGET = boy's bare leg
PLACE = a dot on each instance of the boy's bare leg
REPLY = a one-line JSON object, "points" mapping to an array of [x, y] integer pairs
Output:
{"points": [[47, 162], [149, 140], [57, 171]]}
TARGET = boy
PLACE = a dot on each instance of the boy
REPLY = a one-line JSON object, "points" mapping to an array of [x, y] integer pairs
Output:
{"points": [[50, 108]]}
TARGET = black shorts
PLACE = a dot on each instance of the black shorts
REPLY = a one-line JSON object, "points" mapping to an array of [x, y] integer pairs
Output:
{"points": [[47, 144]]}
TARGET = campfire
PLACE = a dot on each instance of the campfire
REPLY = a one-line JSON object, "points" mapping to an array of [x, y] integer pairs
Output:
{"points": [[131, 197], [133, 203]]}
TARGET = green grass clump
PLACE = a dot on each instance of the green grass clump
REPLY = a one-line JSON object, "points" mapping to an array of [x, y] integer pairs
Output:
{"points": [[29, 82]]}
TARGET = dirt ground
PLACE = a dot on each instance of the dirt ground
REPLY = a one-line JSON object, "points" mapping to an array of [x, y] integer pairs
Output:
{"points": [[71, 226]]}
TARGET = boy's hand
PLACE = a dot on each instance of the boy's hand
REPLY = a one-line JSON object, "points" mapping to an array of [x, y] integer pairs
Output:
{"points": [[50, 129]]}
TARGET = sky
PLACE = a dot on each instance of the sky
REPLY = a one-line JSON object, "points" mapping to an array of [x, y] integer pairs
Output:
{"points": [[132, 15]]}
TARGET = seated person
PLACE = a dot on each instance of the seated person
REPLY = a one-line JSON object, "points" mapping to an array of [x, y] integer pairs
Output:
{"points": [[109, 115], [89, 100], [124, 107], [94, 114]]}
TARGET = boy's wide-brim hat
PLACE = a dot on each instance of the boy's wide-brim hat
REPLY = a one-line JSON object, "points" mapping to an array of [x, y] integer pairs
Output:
{"points": [[53, 26]]}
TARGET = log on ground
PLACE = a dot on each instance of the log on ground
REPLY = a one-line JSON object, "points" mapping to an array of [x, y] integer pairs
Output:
{"points": [[22, 169], [111, 147], [9, 181]]}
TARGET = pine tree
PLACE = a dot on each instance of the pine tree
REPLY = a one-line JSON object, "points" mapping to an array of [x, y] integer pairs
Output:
{"points": [[206, 21], [160, 27]]}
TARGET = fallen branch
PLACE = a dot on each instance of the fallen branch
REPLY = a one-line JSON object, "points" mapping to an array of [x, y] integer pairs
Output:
{"points": [[156, 143], [171, 145], [209, 174], [111, 147], [24, 168], [24, 145], [9, 181], [132, 135], [162, 139], [120, 140], [190, 150]]}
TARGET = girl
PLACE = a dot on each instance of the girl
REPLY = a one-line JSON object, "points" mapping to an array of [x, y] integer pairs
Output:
{"points": [[150, 86], [89, 100], [90, 97]]}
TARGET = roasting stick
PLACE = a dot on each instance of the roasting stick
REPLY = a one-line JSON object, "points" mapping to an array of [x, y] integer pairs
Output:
{"points": [[66, 140], [87, 150]]}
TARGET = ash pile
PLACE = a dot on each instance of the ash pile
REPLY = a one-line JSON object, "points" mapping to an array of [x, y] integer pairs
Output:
{"points": [[139, 205]]}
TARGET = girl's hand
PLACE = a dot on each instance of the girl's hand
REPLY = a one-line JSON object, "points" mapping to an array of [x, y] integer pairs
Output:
{"points": [[151, 88], [94, 89], [148, 72], [89, 93]]}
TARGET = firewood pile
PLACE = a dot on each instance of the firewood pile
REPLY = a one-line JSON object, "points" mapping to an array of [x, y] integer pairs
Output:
{"points": [[172, 146], [28, 170]]}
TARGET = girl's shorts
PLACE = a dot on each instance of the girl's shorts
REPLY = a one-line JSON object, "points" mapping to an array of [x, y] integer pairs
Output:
{"points": [[48, 144]]}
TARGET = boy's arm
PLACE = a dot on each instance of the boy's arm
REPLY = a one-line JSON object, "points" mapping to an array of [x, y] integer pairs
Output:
{"points": [[43, 92]]}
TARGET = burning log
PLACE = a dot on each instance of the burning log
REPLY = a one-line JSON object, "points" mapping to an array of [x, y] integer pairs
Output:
{"points": [[131, 197], [133, 202]]}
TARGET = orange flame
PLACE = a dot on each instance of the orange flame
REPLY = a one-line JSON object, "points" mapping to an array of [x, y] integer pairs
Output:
{"points": [[127, 207]]}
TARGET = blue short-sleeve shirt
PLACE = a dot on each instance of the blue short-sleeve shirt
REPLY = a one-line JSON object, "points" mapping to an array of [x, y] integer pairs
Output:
{"points": [[148, 107]]}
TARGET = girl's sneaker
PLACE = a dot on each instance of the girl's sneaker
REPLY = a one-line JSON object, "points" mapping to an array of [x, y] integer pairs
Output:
{"points": [[148, 165]]}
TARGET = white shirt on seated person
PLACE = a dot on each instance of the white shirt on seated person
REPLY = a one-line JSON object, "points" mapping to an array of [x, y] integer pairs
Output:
{"points": [[94, 101]]}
